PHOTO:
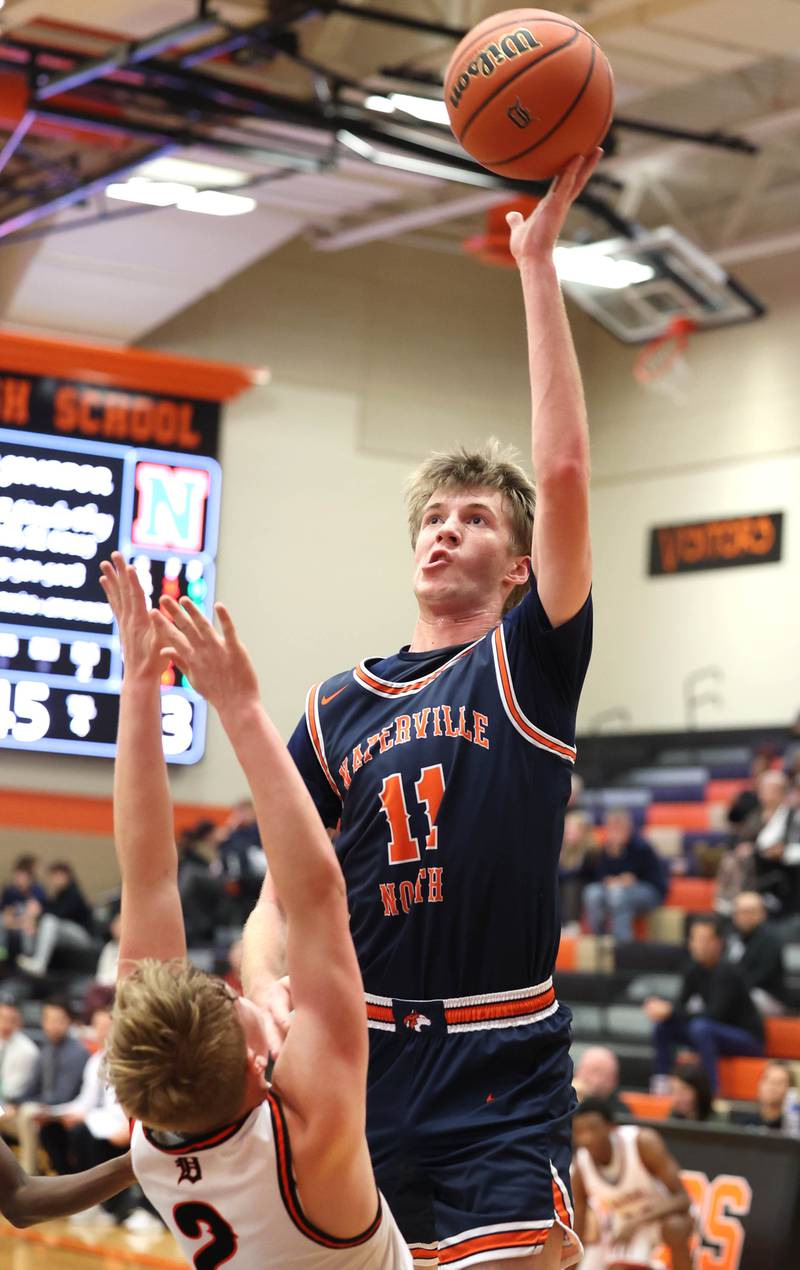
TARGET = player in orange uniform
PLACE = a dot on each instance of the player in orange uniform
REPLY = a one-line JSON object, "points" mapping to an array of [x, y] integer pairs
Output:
{"points": [[242, 1174]]}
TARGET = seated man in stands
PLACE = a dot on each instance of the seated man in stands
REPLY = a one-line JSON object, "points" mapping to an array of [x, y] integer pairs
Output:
{"points": [[18, 1054], [631, 1182], [756, 949], [624, 880], [65, 923], [714, 1014], [21, 901], [776, 1081], [56, 1078]]}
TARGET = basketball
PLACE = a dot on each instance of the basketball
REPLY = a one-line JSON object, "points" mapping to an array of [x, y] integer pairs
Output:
{"points": [[526, 91]]}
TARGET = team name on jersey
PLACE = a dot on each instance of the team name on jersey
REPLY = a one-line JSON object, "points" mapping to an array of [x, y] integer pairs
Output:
{"points": [[460, 723], [428, 888]]}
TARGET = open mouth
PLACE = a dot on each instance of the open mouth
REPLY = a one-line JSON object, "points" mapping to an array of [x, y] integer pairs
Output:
{"points": [[437, 558]]}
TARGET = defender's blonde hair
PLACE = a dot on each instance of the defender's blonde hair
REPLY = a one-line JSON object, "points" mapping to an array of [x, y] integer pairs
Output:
{"points": [[493, 467], [177, 1056]]}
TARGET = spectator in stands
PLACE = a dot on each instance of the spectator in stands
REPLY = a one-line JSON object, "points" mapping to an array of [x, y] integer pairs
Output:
{"points": [[777, 846], [597, 1076], [65, 923], [21, 902], [624, 880], [233, 975], [202, 893], [776, 1081], [577, 847], [758, 952], [93, 1111], [56, 1079], [18, 1055], [714, 1014], [692, 1096], [100, 993], [741, 867], [240, 863], [744, 813], [791, 757]]}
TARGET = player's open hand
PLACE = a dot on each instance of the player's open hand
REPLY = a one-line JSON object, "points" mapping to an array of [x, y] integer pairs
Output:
{"points": [[534, 237], [138, 637], [217, 663]]}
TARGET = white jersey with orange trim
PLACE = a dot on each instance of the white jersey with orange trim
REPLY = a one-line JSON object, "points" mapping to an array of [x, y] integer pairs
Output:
{"points": [[230, 1199], [448, 772], [622, 1192]]}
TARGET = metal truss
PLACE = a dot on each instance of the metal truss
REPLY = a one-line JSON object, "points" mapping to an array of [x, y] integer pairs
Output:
{"points": [[160, 96]]}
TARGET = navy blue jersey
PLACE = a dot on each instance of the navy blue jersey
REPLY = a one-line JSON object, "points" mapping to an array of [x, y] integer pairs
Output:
{"points": [[449, 772]]}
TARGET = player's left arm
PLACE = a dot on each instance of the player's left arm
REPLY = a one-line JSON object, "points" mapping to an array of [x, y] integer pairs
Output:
{"points": [[561, 551], [25, 1200], [151, 917], [663, 1166]]}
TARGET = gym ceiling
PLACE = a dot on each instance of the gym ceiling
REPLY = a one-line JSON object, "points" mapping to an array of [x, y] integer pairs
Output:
{"points": [[276, 92]]}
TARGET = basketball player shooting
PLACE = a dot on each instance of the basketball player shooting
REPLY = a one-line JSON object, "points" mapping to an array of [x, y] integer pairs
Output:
{"points": [[241, 1173], [447, 769]]}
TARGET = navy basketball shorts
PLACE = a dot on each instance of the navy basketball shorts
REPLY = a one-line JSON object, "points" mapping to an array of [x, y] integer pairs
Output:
{"points": [[469, 1124]]}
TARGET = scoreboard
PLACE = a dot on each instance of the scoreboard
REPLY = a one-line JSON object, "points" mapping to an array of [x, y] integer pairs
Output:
{"points": [[84, 471]]}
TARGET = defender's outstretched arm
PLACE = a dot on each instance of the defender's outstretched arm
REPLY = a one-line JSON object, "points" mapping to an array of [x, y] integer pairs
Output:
{"points": [[152, 920]]}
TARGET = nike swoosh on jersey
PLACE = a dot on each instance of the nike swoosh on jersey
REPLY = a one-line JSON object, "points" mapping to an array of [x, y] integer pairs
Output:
{"points": [[326, 700]]}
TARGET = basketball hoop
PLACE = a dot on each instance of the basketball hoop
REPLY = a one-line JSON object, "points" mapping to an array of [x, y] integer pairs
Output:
{"points": [[662, 366]]}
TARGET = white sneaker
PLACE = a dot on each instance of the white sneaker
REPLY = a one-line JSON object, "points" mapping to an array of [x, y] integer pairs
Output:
{"points": [[142, 1222], [30, 966], [95, 1216]]}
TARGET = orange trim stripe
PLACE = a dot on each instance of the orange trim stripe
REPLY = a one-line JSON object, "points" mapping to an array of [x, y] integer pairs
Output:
{"points": [[415, 685], [74, 813], [566, 751], [424, 1254], [500, 1009], [380, 1013], [316, 740], [561, 1209], [289, 1192], [501, 1241], [189, 1145]]}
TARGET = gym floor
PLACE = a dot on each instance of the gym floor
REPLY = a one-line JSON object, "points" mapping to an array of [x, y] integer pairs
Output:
{"points": [[59, 1246]]}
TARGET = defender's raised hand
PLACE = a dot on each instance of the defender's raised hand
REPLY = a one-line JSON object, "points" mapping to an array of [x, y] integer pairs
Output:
{"points": [[138, 636], [217, 665], [535, 236]]}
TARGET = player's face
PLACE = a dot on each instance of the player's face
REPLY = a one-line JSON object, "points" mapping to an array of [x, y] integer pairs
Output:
{"points": [[594, 1133], [463, 558]]}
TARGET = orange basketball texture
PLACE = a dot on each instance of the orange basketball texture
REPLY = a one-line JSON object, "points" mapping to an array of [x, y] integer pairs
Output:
{"points": [[527, 90]]}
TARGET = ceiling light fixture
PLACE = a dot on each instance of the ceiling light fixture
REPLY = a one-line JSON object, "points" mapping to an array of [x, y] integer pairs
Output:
{"points": [[427, 109], [169, 167], [138, 189], [589, 267], [382, 104]]}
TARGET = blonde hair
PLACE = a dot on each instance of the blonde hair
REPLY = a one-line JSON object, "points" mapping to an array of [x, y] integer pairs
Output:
{"points": [[176, 1056], [493, 467]]}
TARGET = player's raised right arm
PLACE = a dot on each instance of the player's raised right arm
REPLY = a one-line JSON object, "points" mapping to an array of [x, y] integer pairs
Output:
{"points": [[152, 920]]}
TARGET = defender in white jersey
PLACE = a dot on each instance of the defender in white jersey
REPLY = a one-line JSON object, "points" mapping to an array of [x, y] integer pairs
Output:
{"points": [[628, 1178], [244, 1174]]}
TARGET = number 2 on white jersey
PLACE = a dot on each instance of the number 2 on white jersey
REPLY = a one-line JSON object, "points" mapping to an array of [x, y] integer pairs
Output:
{"points": [[429, 790]]}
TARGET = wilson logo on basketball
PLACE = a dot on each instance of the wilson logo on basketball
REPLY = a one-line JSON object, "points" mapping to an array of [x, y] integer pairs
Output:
{"points": [[519, 115], [494, 55]]}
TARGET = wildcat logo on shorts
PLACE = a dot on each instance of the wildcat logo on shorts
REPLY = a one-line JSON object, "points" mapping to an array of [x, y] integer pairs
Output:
{"points": [[519, 115], [488, 60], [415, 1021]]}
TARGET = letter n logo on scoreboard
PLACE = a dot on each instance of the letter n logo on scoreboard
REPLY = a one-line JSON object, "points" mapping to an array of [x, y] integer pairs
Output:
{"points": [[171, 510]]}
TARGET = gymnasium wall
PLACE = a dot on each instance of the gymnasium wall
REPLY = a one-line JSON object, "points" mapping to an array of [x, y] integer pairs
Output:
{"points": [[383, 353]]}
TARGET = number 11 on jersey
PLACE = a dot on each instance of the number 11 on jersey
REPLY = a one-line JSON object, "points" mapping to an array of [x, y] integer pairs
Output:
{"points": [[429, 790]]}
